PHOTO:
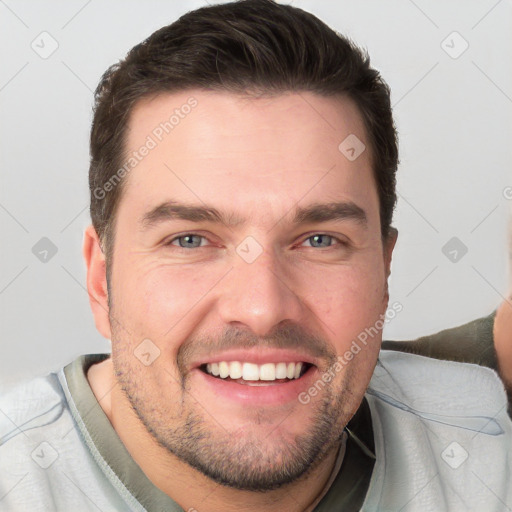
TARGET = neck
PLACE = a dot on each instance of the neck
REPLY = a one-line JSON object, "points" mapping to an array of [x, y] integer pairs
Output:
{"points": [[186, 486]]}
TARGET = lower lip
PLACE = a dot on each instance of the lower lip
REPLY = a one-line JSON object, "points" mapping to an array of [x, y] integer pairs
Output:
{"points": [[259, 393]]}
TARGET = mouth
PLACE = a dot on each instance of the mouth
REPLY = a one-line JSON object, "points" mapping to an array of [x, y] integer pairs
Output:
{"points": [[261, 377], [252, 374]]}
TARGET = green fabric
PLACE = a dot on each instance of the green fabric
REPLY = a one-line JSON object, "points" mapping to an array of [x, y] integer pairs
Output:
{"points": [[469, 343]]}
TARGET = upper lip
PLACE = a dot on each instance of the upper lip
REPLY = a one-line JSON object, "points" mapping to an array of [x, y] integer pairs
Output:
{"points": [[258, 355]]}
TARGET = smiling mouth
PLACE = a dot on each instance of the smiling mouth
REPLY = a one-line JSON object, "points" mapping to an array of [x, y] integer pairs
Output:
{"points": [[256, 374]]}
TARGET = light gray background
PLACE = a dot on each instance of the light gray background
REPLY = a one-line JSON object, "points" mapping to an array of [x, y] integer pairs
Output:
{"points": [[453, 115]]}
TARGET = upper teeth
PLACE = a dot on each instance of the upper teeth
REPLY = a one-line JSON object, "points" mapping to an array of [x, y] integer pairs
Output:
{"points": [[251, 371]]}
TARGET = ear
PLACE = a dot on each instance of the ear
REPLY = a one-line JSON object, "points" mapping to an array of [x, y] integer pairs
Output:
{"points": [[97, 281], [388, 247]]}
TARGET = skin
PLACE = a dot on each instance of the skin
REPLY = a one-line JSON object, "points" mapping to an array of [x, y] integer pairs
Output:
{"points": [[258, 159], [503, 342]]}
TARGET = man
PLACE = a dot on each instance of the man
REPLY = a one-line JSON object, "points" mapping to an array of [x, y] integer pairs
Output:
{"points": [[242, 189]]}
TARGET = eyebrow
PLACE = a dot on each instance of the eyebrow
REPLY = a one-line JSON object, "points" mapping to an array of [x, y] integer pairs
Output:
{"points": [[318, 212]]}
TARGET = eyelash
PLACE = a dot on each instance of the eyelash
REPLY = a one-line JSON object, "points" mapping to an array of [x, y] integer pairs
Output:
{"points": [[340, 242]]}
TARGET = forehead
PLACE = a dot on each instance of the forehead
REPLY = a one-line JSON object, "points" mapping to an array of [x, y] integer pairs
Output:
{"points": [[218, 147], [250, 123]]}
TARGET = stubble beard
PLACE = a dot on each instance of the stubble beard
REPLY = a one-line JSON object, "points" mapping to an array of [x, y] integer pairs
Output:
{"points": [[243, 461]]}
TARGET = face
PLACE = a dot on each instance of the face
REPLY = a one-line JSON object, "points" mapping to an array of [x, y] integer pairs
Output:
{"points": [[247, 259]]}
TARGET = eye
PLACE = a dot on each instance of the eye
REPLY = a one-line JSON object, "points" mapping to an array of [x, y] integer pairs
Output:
{"points": [[187, 241], [322, 240]]}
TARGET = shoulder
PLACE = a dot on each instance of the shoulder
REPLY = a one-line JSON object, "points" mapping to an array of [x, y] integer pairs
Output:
{"points": [[33, 419], [437, 424], [437, 384], [44, 461], [30, 405], [472, 342]]}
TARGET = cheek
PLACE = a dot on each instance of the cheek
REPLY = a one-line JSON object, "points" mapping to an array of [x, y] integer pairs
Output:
{"points": [[158, 300], [347, 299], [349, 305]]}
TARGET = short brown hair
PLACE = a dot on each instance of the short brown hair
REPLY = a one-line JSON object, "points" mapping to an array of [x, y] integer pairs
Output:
{"points": [[250, 47]]}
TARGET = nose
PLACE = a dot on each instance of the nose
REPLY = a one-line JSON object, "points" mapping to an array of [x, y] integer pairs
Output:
{"points": [[259, 295]]}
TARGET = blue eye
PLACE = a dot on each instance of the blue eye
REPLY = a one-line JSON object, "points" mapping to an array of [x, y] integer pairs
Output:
{"points": [[321, 240], [189, 241], [194, 241]]}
